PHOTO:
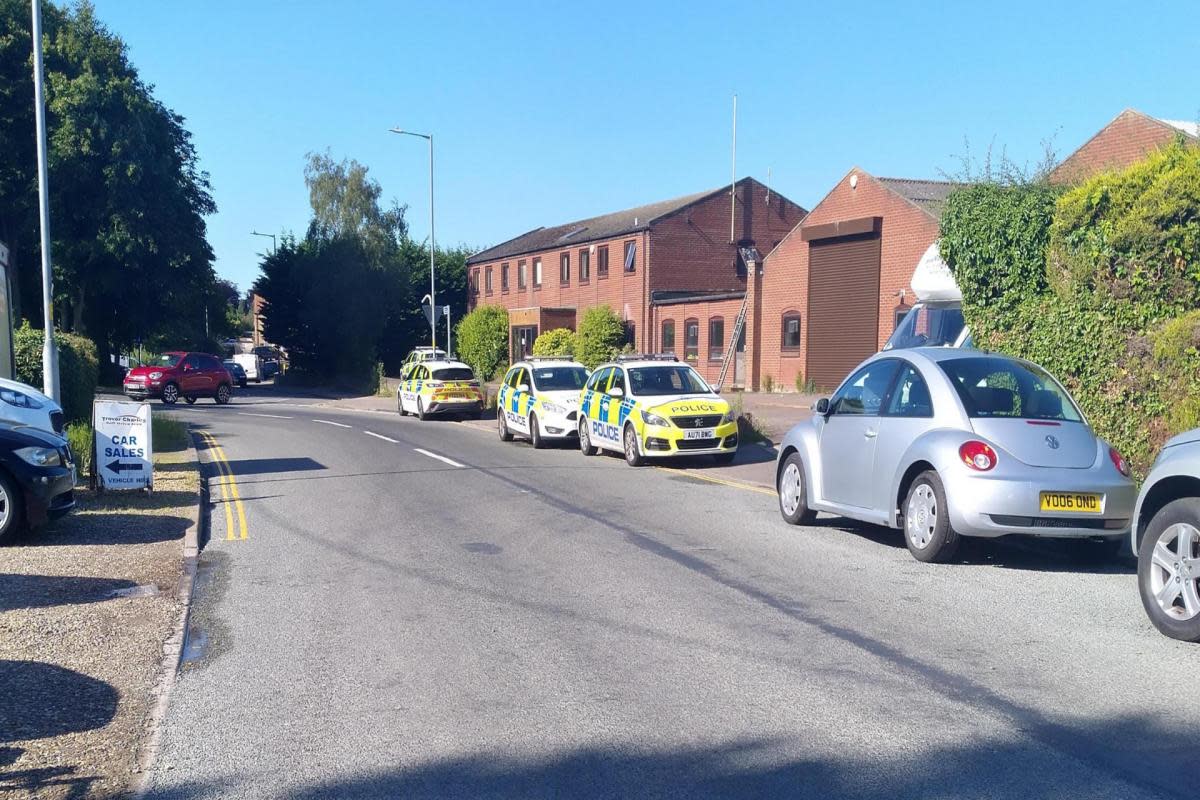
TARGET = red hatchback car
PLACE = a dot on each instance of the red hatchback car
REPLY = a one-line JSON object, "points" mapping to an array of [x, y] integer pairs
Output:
{"points": [[178, 374]]}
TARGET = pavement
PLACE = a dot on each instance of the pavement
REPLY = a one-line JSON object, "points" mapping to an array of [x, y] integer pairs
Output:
{"points": [[391, 608]]}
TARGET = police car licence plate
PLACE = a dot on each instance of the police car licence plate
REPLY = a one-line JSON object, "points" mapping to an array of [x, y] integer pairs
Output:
{"points": [[707, 433]]}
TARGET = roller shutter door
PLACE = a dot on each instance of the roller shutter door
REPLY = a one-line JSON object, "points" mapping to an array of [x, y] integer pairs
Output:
{"points": [[843, 306]]}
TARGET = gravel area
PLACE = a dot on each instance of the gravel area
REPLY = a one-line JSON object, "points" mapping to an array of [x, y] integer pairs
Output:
{"points": [[86, 604]]}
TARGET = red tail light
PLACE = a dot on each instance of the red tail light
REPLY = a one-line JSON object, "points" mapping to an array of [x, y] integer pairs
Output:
{"points": [[977, 455], [1119, 461]]}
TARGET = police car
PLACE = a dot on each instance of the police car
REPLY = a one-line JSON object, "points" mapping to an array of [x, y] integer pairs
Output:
{"points": [[654, 406], [439, 386], [540, 399], [419, 354]]}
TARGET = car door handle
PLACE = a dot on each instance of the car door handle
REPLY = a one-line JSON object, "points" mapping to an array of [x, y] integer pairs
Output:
{"points": [[869, 434]]}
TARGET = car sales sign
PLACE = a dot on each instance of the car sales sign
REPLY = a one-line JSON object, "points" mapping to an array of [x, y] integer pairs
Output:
{"points": [[124, 455]]}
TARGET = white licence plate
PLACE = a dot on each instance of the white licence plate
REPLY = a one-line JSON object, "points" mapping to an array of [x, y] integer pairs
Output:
{"points": [[707, 433]]}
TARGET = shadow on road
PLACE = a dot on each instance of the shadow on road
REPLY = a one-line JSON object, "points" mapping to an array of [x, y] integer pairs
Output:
{"points": [[117, 528], [42, 591], [264, 466]]}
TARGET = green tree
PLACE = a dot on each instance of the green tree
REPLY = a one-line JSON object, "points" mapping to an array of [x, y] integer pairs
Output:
{"points": [[345, 204], [599, 336], [555, 342], [483, 340]]}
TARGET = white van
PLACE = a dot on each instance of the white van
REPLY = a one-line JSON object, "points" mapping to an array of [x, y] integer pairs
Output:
{"points": [[252, 364], [936, 319]]}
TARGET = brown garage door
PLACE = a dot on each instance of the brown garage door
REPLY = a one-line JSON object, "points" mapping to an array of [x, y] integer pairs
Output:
{"points": [[843, 306]]}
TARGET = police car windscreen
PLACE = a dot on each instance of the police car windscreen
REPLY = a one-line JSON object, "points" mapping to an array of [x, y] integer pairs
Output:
{"points": [[677, 379], [558, 379], [453, 374]]}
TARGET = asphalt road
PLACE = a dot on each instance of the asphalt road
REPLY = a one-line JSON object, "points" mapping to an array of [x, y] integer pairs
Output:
{"points": [[520, 623]]}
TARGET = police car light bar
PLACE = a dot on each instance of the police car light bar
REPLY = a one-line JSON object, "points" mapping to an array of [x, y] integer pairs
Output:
{"points": [[647, 357], [535, 359]]}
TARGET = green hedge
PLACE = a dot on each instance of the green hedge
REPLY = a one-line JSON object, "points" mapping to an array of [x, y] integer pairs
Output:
{"points": [[1102, 290], [78, 367], [482, 340], [599, 336], [555, 342]]}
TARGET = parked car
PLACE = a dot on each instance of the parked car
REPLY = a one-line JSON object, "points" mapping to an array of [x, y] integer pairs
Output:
{"points": [[440, 387], [235, 370], [1166, 539], [37, 478], [272, 360], [21, 404], [936, 320], [539, 399], [419, 354], [944, 443], [179, 374], [251, 365]]}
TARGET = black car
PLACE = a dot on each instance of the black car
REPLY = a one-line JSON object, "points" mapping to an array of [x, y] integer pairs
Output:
{"points": [[238, 373], [37, 478]]}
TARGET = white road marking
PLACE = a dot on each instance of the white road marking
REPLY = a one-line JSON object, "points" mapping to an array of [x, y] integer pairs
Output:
{"points": [[272, 416], [327, 422], [381, 436], [449, 461]]}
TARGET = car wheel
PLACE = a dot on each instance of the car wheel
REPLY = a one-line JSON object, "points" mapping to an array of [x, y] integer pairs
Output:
{"points": [[535, 435], [223, 394], [633, 456], [170, 394], [400, 406], [502, 428], [189, 400], [421, 415], [1169, 569], [725, 458], [585, 441], [11, 511], [793, 492], [927, 530]]}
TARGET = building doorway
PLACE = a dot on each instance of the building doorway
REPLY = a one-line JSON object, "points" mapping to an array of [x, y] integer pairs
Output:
{"points": [[523, 337]]}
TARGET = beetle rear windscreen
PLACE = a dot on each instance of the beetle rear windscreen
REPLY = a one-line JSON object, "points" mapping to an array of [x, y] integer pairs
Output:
{"points": [[999, 387]]}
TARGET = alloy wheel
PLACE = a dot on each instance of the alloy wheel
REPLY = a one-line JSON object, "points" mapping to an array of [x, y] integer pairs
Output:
{"points": [[170, 394], [5, 507], [790, 485], [920, 518], [1175, 572]]}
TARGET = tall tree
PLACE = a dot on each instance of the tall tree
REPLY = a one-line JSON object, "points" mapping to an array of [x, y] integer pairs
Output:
{"points": [[345, 203]]}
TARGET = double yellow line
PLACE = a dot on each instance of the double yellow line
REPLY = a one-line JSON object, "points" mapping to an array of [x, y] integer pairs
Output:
{"points": [[231, 498]]}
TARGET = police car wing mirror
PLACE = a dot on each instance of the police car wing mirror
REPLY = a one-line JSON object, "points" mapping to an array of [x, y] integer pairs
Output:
{"points": [[821, 406], [524, 387], [616, 391]]}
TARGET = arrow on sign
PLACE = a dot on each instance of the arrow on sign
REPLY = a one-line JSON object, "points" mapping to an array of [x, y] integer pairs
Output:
{"points": [[122, 466]]}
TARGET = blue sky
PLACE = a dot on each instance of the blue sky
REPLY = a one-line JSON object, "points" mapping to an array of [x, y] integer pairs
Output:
{"points": [[549, 112]]}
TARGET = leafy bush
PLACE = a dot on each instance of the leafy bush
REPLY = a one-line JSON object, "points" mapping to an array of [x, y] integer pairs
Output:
{"points": [[1110, 311], [768, 383], [482, 340], [599, 337], [78, 367], [555, 342], [79, 436]]}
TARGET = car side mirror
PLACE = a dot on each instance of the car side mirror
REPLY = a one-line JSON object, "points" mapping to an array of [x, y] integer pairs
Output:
{"points": [[616, 391], [524, 387], [822, 406], [187, 367]]}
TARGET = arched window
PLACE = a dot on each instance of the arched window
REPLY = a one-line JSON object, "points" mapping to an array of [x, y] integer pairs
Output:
{"points": [[716, 338], [790, 341], [691, 339], [667, 342]]}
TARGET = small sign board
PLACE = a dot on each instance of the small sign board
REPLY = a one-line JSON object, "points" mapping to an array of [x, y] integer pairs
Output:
{"points": [[124, 450]]}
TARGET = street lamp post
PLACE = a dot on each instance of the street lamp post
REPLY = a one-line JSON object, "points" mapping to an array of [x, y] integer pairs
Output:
{"points": [[271, 235], [432, 285], [49, 350]]}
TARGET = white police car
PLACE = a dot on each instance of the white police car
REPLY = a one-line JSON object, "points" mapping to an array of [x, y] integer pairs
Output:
{"points": [[540, 399]]}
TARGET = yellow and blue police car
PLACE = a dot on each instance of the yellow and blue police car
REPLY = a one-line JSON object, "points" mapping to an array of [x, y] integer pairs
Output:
{"points": [[651, 407], [539, 399], [439, 386], [419, 354]]}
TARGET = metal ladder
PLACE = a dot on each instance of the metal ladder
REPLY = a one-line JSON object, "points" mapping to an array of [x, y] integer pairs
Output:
{"points": [[731, 351]]}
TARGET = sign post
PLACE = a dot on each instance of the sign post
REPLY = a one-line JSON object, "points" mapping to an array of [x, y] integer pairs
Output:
{"points": [[123, 456]]}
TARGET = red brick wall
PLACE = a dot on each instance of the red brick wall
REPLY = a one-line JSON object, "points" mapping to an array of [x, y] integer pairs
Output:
{"points": [[1126, 140], [906, 233], [702, 311]]}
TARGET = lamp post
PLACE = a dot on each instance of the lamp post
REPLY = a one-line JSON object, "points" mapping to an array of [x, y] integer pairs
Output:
{"points": [[49, 351], [271, 235], [432, 285]]}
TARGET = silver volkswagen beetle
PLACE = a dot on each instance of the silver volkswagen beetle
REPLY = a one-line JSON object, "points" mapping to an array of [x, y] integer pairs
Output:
{"points": [[946, 443], [1166, 538]]}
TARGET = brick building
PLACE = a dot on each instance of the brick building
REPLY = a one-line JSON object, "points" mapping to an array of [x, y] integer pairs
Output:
{"points": [[676, 254], [834, 289], [1128, 138]]}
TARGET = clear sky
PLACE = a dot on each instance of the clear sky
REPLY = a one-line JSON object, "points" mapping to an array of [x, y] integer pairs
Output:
{"points": [[544, 113]]}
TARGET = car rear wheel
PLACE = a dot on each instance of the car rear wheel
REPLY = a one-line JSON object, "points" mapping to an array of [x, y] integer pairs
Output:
{"points": [[793, 492], [633, 455], [585, 441], [927, 530], [1169, 569], [421, 415], [535, 435], [189, 400], [223, 394], [502, 427], [400, 406], [170, 394], [11, 512]]}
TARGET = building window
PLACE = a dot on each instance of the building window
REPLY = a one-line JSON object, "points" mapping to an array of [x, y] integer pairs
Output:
{"points": [[630, 256], [668, 336], [602, 262], [487, 280], [504, 278], [716, 338], [791, 331], [630, 337], [691, 339], [564, 269], [585, 266], [900, 313], [521, 275], [537, 273], [473, 282]]}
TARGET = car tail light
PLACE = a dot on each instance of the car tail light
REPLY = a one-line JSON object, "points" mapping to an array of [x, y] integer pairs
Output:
{"points": [[977, 455], [1119, 461], [433, 384]]}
